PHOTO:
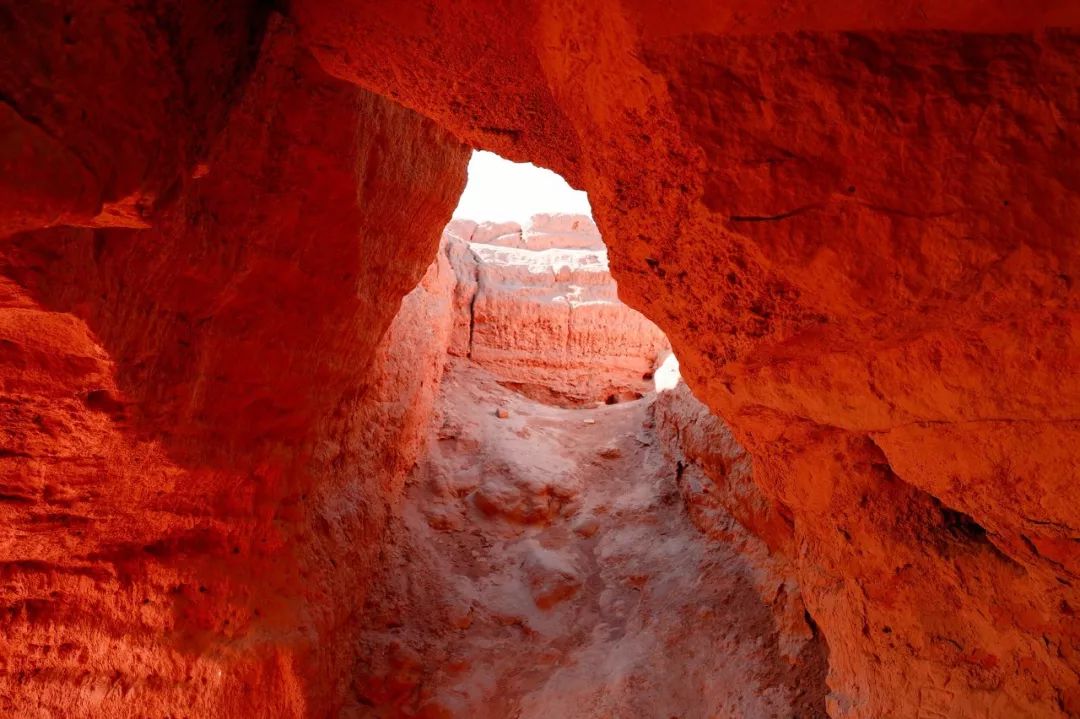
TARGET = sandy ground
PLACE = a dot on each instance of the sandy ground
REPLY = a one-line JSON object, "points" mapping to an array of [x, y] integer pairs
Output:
{"points": [[545, 567]]}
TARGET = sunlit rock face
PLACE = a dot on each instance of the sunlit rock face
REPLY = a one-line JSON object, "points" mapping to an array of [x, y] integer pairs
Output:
{"points": [[857, 226], [541, 312]]}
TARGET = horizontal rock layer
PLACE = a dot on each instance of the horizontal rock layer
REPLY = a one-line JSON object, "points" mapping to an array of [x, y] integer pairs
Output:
{"points": [[540, 310]]}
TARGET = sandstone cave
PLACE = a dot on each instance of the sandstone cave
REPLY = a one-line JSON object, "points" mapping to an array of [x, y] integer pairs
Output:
{"points": [[562, 526], [269, 444]]}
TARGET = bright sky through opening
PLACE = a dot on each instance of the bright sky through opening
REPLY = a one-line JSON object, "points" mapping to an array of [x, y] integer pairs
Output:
{"points": [[499, 190]]}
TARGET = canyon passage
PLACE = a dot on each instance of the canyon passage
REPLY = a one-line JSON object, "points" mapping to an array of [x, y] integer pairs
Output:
{"points": [[268, 436], [560, 551]]}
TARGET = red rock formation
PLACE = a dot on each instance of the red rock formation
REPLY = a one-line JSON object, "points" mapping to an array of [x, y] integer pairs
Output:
{"points": [[858, 231], [194, 466], [716, 482], [856, 224], [538, 308], [105, 106]]}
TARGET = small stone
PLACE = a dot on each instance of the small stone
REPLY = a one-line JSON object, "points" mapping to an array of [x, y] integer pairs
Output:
{"points": [[502, 413], [444, 518], [611, 452], [460, 616], [586, 526], [589, 421], [552, 577]]}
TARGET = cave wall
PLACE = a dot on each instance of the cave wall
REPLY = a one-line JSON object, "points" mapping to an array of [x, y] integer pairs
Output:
{"points": [[200, 450], [856, 225], [858, 231], [104, 105]]}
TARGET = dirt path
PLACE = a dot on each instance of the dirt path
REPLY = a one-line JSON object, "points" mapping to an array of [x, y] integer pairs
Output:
{"points": [[545, 567]]}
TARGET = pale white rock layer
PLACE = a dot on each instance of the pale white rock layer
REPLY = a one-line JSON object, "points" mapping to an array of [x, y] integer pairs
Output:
{"points": [[539, 309]]}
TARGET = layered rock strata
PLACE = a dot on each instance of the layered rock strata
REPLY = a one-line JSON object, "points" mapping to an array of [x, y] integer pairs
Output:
{"points": [[539, 309]]}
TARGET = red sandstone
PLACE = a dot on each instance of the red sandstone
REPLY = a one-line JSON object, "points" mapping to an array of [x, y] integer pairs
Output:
{"points": [[857, 226]]}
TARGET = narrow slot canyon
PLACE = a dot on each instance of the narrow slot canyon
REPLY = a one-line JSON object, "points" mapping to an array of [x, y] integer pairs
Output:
{"points": [[560, 531], [284, 436]]}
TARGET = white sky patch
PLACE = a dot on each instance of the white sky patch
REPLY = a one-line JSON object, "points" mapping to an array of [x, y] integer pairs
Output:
{"points": [[499, 190], [667, 376]]}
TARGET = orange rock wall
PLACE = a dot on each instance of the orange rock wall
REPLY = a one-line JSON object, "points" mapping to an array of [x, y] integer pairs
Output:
{"points": [[859, 234], [201, 439], [856, 225]]}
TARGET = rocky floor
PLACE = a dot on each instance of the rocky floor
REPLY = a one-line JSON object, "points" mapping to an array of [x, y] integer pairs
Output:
{"points": [[545, 566]]}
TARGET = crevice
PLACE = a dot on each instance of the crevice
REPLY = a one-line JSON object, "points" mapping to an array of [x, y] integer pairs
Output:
{"points": [[501, 131], [960, 525], [952, 529], [907, 214], [777, 217], [476, 293]]}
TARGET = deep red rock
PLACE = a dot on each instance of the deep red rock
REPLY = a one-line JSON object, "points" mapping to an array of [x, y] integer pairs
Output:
{"points": [[106, 107], [857, 225], [197, 463]]}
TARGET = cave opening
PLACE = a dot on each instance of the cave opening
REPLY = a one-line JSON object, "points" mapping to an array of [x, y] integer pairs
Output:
{"points": [[857, 223], [561, 547]]}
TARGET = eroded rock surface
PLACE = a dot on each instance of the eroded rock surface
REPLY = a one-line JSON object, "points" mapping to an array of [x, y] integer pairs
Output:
{"points": [[857, 228], [199, 436], [856, 224], [545, 565], [541, 311], [547, 552]]}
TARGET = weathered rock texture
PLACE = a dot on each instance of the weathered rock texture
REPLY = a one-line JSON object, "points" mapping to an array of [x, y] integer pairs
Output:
{"points": [[856, 223], [545, 560], [544, 557], [538, 308], [857, 228], [195, 460], [714, 477]]}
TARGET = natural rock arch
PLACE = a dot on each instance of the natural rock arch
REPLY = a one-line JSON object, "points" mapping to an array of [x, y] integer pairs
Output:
{"points": [[858, 228]]}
